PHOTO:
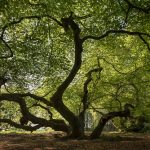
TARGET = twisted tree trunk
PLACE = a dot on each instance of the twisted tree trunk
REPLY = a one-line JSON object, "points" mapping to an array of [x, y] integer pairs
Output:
{"points": [[77, 129]]}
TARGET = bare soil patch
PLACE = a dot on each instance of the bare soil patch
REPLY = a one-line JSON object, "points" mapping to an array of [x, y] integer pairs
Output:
{"points": [[53, 141]]}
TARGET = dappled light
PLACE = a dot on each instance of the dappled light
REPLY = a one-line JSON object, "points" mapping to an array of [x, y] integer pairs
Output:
{"points": [[76, 67]]}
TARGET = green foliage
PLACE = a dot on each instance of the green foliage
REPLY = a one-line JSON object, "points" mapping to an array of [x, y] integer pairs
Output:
{"points": [[43, 53]]}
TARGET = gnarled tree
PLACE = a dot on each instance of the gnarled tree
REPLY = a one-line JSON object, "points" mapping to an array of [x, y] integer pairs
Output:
{"points": [[42, 44]]}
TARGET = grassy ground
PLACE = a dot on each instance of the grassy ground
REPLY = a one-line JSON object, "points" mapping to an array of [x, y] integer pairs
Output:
{"points": [[52, 141]]}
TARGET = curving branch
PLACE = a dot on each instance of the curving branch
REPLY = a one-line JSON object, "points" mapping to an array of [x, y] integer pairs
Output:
{"points": [[97, 110], [56, 99], [107, 33], [106, 117], [35, 97], [126, 14], [27, 17], [116, 95], [126, 17], [4, 28], [113, 66], [145, 42], [119, 2], [8, 47], [69, 22]]}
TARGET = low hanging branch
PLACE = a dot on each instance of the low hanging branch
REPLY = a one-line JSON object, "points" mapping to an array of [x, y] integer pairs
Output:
{"points": [[56, 124], [14, 124], [106, 117], [136, 124], [27, 17]]}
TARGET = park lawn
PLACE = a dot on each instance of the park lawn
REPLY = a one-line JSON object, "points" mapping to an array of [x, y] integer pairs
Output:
{"points": [[54, 141]]}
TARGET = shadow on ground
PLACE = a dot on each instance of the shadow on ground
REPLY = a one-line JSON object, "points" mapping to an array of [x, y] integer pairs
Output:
{"points": [[53, 141]]}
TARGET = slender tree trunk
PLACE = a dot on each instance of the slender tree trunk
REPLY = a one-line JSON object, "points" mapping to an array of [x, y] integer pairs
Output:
{"points": [[85, 101], [106, 117], [98, 130]]}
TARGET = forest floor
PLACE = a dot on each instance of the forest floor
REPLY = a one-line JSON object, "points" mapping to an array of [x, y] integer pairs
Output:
{"points": [[53, 141]]}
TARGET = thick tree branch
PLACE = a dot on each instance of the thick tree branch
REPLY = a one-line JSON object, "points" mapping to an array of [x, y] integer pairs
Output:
{"points": [[78, 51], [55, 124], [56, 99], [106, 117]]}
